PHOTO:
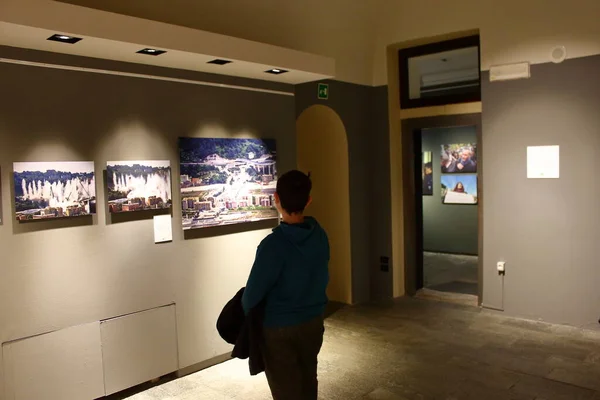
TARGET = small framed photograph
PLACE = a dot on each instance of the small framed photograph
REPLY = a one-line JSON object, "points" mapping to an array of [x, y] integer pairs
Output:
{"points": [[459, 189], [427, 173], [460, 158]]}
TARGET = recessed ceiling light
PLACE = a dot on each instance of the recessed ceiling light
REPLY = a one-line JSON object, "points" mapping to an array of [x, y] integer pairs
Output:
{"points": [[64, 38], [152, 52], [276, 71], [219, 61]]}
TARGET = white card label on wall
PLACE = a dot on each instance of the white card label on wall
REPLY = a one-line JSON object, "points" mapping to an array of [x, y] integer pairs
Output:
{"points": [[543, 162], [163, 230]]}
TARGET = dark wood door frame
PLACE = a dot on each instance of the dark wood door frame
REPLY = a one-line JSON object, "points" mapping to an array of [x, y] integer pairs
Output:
{"points": [[413, 240]]}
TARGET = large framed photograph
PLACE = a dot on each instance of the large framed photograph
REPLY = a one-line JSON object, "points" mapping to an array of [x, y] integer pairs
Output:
{"points": [[459, 158], [459, 189], [427, 173], [48, 190], [227, 181], [138, 185]]}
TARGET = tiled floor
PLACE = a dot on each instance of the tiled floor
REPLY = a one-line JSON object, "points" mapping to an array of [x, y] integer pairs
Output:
{"points": [[450, 273], [422, 349]]}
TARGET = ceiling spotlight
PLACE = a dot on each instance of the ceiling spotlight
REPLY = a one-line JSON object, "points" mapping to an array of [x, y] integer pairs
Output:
{"points": [[219, 61], [276, 71], [64, 38], [151, 52]]}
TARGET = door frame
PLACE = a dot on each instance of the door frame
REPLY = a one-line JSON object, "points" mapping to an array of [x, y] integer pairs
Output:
{"points": [[412, 208]]}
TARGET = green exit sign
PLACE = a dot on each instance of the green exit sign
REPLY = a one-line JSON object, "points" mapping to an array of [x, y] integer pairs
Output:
{"points": [[323, 91]]}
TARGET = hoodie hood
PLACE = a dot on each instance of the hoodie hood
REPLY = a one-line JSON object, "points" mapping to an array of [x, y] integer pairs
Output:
{"points": [[300, 233]]}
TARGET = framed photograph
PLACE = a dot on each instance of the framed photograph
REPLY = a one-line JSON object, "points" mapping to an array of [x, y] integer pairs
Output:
{"points": [[459, 189], [48, 190], [138, 185], [227, 181], [459, 158], [427, 173]]}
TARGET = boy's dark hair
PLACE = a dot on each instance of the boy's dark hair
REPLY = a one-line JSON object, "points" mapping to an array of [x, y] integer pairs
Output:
{"points": [[293, 189]]}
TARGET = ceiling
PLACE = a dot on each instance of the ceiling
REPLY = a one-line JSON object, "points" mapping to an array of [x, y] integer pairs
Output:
{"points": [[354, 35], [117, 37], [341, 29]]}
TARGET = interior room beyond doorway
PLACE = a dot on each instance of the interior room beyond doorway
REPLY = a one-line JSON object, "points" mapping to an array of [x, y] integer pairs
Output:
{"points": [[450, 209]]}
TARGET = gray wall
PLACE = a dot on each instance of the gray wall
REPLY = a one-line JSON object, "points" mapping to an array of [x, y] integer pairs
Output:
{"points": [[380, 208], [547, 231], [57, 274], [447, 228], [363, 111]]}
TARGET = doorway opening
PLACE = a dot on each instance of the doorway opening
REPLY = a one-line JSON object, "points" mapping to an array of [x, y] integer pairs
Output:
{"points": [[329, 168], [444, 234]]}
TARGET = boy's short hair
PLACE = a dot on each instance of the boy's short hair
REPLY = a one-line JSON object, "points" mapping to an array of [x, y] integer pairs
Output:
{"points": [[293, 189]]}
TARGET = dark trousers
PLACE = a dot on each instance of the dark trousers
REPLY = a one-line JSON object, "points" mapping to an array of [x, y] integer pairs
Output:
{"points": [[290, 355]]}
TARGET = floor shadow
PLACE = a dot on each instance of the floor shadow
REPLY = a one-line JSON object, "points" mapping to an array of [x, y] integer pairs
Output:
{"points": [[140, 388], [333, 307]]}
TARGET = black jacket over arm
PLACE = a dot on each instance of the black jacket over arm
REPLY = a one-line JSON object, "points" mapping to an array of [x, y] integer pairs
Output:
{"points": [[244, 332]]}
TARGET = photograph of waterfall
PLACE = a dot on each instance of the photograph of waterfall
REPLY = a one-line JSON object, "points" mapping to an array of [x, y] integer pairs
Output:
{"points": [[48, 190], [138, 185], [227, 181]]}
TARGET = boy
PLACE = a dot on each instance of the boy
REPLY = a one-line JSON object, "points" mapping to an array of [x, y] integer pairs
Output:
{"points": [[290, 273]]}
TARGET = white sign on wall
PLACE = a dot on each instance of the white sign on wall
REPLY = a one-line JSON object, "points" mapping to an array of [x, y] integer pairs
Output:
{"points": [[543, 162], [163, 230]]}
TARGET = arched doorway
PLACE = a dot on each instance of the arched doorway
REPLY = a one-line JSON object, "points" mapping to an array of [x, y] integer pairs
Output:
{"points": [[322, 149]]}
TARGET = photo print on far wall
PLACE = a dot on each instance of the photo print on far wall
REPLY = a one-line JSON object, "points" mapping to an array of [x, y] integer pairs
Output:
{"points": [[459, 158], [459, 189], [49, 190], [227, 181], [138, 185], [427, 173]]}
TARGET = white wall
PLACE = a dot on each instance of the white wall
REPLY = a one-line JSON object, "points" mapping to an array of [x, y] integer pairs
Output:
{"points": [[511, 30], [57, 274], [356, 33]]}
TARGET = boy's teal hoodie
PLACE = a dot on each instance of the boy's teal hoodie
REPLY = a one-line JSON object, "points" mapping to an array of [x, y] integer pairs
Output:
{"points": [[291, 274]]}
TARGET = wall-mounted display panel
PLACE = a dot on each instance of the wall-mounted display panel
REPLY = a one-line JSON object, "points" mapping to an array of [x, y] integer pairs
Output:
{"points": [[459, 189], [227, 181], [138, 185], [427, 173], [459, 158], [139, 347], [48, 190], [60, 365]]}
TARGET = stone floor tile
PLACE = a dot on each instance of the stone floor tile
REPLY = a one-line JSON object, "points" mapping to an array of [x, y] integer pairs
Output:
{"points": [[585, 378], [383, 394], [180, 387], [550, 389], [413, 349]]}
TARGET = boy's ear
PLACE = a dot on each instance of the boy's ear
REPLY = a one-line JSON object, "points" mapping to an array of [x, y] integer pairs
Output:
{"points": [[309, 201]]}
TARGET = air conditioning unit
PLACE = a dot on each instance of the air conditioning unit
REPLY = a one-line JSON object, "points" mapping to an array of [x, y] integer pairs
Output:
{"points": [[510, 72]]}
